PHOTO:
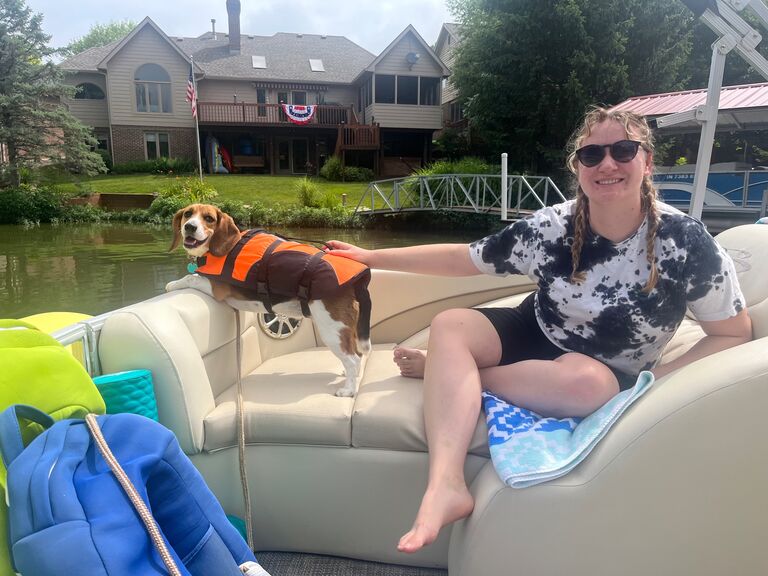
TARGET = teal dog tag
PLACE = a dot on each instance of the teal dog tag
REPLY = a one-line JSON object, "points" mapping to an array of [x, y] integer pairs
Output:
{"points": [[192, 267]]}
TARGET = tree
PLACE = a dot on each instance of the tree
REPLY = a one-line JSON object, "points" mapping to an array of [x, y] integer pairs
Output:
{"points": [[34, 126], [527, 69], [100, 35]]}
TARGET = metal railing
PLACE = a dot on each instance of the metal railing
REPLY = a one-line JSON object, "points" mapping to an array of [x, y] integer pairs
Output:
{"points": [[247, 113], [479, 193]]}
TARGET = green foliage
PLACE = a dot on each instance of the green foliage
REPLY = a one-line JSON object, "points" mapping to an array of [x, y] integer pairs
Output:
{"points": [[240, 213], [452, 143], [106, 158], [100, 35], [180, 192], [466, 165], [29, 203], [34, 126], [307, 193], [334, 171], [526, 69], [303, 217], [156, 166]]}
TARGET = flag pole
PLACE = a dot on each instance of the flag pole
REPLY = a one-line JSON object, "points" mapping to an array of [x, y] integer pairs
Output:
{"points": [[197, 123]]}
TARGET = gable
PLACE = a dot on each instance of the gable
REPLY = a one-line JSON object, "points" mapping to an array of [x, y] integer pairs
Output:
{"points": [[395, 59]]}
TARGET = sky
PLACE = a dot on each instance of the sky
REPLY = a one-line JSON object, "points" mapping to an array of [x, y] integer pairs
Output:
{"points": [[372, 24]]}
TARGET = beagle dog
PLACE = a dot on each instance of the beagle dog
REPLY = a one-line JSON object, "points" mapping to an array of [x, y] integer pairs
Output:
{"points": [[259, 272]]}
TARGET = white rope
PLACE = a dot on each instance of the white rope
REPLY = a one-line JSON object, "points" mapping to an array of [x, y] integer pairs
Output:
{"points": [[241, 437], [133, 495]]}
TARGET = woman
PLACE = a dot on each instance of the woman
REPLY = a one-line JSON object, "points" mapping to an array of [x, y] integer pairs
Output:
{"points": [[615, 269]]}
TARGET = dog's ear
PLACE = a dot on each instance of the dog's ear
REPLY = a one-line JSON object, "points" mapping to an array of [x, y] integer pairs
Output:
{"points": [[176, 226], [225, 236]]}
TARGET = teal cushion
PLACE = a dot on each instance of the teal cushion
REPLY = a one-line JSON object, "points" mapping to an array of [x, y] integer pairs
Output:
{"points": [[131, 391]]}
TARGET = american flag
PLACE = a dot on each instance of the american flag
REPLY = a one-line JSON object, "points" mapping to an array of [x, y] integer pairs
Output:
{"points": [[191, 95]]}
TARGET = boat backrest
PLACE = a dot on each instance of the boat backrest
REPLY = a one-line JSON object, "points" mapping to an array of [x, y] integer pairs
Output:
{"points": [[187, 340], [748, 246]]}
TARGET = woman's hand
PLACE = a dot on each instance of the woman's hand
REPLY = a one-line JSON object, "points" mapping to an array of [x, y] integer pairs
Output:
{"points": [[339, 248]]}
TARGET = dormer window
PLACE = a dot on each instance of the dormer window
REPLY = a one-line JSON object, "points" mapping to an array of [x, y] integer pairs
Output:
{"points": [[88, 91], [259, 61], [316, 65], [153, 89]]}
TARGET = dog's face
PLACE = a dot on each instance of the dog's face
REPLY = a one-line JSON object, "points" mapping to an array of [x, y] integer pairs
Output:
{"points": [[204, 228]]}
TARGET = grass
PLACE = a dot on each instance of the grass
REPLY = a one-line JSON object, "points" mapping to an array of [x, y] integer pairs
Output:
{"points": [[244, 187]]}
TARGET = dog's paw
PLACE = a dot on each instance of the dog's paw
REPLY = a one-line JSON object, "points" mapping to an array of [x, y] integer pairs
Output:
{"points": [[173, 285], [345, 392]]}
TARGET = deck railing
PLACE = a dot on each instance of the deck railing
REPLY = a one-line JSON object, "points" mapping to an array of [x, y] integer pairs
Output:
{"points": [[246, 113], [358, 137]]}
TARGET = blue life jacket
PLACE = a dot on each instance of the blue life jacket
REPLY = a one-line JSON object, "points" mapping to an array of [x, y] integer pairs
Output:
{"points": [[69, 515]]}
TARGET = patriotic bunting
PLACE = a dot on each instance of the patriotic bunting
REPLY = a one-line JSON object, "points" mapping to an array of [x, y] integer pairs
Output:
{"points": [[299, 114]]}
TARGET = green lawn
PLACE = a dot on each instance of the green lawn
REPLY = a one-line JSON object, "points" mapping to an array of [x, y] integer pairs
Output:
{"points": [[244, 187]]}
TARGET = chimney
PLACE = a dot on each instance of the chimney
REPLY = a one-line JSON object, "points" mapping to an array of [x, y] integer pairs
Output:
{"points": [[213, 28], [233, 11]]}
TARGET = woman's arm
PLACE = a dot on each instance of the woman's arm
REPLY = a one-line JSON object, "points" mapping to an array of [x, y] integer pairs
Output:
{"points": [[720, 335], [437, 259]]}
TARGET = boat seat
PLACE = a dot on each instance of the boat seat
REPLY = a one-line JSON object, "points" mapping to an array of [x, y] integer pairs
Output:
{"points": [[671, 484]]}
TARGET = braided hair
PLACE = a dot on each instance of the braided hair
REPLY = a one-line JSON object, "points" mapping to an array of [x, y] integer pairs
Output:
{"points": [[635, 125]]}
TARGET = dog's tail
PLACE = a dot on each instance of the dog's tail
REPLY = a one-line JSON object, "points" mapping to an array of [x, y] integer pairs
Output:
{"points": [[364, 316]]}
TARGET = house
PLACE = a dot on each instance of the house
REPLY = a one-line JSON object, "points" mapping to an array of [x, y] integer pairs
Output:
{"points": [[374, 111], [445, 48]]}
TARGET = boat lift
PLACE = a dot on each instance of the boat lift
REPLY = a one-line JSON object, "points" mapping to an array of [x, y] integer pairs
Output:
{"points": [[734, 34]]}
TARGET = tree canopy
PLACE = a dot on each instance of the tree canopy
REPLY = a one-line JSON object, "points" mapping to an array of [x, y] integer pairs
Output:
{"points": [[545, 61], [34, 126], [101, 35]]}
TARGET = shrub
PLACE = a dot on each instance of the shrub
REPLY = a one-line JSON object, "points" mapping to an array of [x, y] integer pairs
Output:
{"points": [[30, 203], [179, 193], [358, 174], [155, 166], [106, 157], [333, 170], [307, 193]]}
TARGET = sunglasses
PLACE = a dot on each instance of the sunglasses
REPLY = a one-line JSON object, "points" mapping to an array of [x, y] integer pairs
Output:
{"points": [[621, 151]]}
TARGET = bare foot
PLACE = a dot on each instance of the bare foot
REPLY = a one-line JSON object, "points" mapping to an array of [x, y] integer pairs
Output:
{"points": [[411, 361], [439, 507]]}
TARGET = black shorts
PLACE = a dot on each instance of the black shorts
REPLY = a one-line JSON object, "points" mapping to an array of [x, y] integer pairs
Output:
{"points": [[522, 338]]}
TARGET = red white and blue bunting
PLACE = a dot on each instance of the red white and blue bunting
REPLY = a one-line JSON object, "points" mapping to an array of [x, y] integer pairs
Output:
{"points": [[299, 114]]}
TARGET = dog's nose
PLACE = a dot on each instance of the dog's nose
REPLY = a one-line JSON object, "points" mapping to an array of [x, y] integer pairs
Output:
{"points": [[189, 227]]}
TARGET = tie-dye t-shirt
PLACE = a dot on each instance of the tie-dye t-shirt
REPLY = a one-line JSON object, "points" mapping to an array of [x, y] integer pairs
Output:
{"points": [[608, 316]]}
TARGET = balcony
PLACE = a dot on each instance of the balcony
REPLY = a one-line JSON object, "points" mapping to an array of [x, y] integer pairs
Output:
{"points": [[248, 114]]}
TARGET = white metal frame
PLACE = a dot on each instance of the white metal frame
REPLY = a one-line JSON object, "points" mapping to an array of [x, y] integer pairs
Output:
{"points": [[734, 34]]}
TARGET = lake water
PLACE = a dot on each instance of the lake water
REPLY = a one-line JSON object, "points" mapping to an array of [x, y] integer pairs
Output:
{"points": [[95, 268]]}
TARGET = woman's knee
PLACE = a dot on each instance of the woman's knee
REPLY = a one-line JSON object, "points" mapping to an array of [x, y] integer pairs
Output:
{"points": [[468, 329], [590, 383]]}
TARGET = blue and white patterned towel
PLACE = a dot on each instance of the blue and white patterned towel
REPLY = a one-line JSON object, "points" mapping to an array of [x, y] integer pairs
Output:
{"points": [[527, 449]]}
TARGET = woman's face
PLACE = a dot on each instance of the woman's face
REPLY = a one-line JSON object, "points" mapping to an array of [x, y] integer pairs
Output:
{"points": [[611, 182]]}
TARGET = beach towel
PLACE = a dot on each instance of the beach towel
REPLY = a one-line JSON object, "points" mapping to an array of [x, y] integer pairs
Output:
{"points": [[528, 449]]}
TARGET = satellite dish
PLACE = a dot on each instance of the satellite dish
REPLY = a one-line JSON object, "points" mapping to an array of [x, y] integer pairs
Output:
{"points": [[412, 58]]}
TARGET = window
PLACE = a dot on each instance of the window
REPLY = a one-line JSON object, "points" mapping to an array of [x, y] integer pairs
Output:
{"points": [[88, 91], [156, 145], [457, 112], [299, 98], [385, 89], [429, 94], [153, 89], [261, 98], [407, 89], [316, 65], [259, 61]]}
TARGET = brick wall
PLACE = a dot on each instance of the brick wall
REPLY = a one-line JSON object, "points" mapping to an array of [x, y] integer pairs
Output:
{"points": [[128, 142]]}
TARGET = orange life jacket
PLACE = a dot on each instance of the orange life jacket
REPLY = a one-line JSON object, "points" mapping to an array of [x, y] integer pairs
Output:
{"points": [[274, 270]]}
